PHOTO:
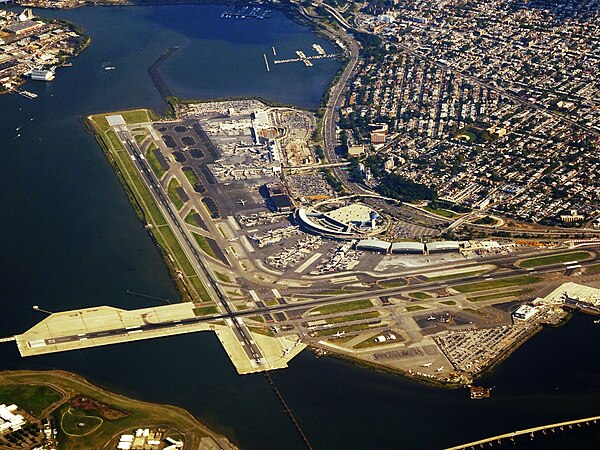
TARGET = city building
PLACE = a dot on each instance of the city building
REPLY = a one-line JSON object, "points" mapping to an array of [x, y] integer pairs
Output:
{"points": [[525, 312], [9, 421]]}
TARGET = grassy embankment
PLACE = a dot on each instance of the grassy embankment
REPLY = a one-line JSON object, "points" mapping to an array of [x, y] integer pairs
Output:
{"points": [[188, 284], [173, 194], [46, 391], [554, 259], [453, 276], [497, 284]]}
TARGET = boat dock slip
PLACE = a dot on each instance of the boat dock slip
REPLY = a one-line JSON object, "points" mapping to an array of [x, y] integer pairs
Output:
{"points": [[305, 59], [105, 325]]}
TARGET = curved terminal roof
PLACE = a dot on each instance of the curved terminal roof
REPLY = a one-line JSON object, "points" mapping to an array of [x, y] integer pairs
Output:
{"points": [[408, 247], [373, 244], [442, 246], [303, 219]]}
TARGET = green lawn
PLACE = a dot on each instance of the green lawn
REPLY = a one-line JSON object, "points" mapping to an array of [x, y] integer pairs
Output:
{"points": [[353, 317], [204, 245], [173, 246], [31, 398], [440, 212], [332, 331], [205, 310], [189, 219], [224, 278], [593, 270], [173, 195], [414, 308], [496, 284], [457, 275], [154, 164], [393, 283], [142, 192], [482, 298], [200, 289], [78, 423], [555, 259], [139, 138], [346, 306], [420, 295], [190, 175], [135, 116], [448, 302]]}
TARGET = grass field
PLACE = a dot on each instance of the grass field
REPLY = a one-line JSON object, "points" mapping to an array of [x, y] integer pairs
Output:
{"points": [[441, 212], [332, 331], [204, 245], [555, 259], [497, 284], [95, 432], [200, 289], [393, 283], [189, 219], [205, 310], [457, 275], [190, 175], [593, 270], [346, 306], [420, 295], [31, 398], [173, 195], [154, 164], [353, 317], [414, 308], [448, 302], [224, 278], [511, 294]]}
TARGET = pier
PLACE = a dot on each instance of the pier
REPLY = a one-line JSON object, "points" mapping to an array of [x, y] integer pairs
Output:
{"points": [[266, 62], [305, 59], [529, 431]]}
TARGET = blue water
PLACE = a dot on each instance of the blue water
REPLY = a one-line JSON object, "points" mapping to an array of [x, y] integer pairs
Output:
{"points": [[69, 238]]}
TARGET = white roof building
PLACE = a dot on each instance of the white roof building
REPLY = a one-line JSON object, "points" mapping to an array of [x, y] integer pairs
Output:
{"points": [[9, 421]]}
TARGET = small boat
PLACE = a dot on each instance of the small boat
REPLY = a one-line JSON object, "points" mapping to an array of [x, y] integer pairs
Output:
{"points": [[110, 68]]}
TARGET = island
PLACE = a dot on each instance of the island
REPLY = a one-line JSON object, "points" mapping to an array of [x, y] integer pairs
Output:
{"points": [[57, 409]]}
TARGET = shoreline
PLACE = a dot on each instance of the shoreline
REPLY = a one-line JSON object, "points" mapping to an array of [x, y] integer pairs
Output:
{"points": [[69, 384]]}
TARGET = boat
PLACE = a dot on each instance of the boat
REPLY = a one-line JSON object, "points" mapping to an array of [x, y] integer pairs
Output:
{"points": [[110, 68], [28, 94], [479, 392]]}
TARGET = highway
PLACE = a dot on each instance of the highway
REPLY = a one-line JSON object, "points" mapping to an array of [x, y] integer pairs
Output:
{"points": [[185, 241]]}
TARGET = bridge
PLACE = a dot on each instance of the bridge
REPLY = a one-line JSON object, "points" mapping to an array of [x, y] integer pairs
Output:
{"points": [[529, 431], [11, 338]]}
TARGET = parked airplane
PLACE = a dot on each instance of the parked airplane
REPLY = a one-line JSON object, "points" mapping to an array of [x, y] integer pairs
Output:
{"points": [[427, 365], [431, 318], [339, 334], [439, 369], [241, 201]]}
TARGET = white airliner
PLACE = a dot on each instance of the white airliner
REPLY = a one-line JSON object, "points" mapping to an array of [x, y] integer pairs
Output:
{"points": [[241, 201], [439, 369], [427, 365], [431, 318], [339, 334]]}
